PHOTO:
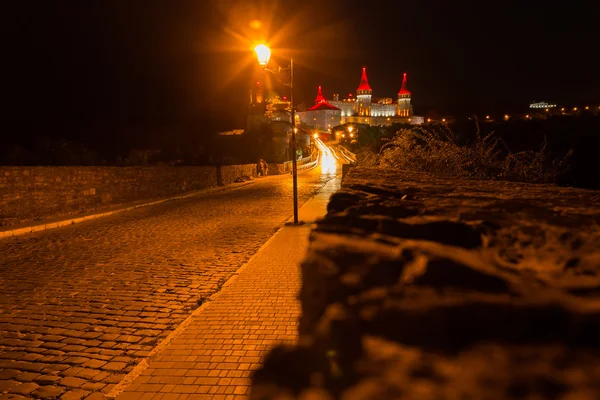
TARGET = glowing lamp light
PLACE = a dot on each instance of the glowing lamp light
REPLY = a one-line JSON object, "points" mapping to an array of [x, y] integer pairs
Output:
{"points": [[316, 135], [527, 116], [443, 119], [487, 117], [352, 135], [428, 119], [263, 53], [506, 116], [587, 108], [350, 128], [547, 110], [562, 109], [575, 109]]}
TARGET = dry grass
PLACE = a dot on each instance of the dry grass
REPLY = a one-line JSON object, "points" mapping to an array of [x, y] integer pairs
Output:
{"points": [[437, 151]]}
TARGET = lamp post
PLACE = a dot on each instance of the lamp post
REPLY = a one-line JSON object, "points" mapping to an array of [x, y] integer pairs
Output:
{"points": [[263, 53]]}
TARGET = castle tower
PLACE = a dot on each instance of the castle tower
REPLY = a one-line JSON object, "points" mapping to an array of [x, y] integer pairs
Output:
{"points": [[404, 107], [363, 95], [320, 98]]}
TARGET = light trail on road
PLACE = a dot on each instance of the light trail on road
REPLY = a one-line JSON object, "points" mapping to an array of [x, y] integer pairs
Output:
{"points": [[328, 160]]}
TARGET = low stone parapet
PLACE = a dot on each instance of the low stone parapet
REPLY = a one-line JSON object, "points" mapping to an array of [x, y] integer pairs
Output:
{"points": [[419, 287], [34, 193]]}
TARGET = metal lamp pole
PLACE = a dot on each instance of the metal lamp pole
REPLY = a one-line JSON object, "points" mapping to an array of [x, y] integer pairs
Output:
{"points": [[264, 53], [294, 161]]}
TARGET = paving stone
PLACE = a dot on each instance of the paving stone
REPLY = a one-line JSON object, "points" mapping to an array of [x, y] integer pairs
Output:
{"points": [[25, 388], [52, 368], [93, 364], [93, 386], [9, 373], [12, 396], [114, 366], [48, 392], [26, 376], [71, 381], [76, 360], [7, 385], [76, 394], [46, 379], [96, 396], [73, 348]]}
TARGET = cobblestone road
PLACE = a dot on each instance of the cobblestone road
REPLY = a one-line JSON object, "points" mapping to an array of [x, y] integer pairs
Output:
{"points": [[81, 305]]}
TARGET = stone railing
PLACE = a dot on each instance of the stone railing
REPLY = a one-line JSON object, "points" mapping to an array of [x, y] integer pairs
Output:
{"points": [[424, 287], [34, 193]]}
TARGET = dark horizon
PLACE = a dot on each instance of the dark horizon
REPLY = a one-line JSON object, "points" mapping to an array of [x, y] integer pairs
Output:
{"points": [[141, 63]]}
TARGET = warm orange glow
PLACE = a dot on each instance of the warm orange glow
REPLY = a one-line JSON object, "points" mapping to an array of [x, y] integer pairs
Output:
{"points": [[487, 117], [562, 109], [506, 117], [587, 107], [527, 116], [263, 53], [316, 135], [352, 135], [255, 24], [428, 119], [547, 110], [575, 109], [350, 128], [443, 119]]}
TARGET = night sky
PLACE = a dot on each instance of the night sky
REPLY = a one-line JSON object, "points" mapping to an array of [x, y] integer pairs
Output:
{"points": [[167, 61]]}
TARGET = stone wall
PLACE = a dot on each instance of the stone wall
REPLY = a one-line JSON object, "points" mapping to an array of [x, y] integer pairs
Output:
{"points": [[229, 173], [421, 287], [34, 193]]}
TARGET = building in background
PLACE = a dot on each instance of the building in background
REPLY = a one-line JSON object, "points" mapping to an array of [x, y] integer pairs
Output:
{"points": [[322, 115], [365, 109]]}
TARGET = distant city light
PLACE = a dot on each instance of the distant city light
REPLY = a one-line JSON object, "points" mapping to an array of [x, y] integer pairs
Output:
{"points": [[542, 104], [562, 109], [587, 107], [487, 117], [547, 110], [574, 108], [443, 119], [506, 117], [527, 116], [428, 119]]}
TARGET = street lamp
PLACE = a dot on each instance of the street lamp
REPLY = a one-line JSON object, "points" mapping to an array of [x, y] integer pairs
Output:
{"points": [[263, 54]]}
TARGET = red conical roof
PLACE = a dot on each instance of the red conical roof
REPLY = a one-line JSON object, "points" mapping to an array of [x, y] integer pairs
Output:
{"points": [[320, 98], [364, 82], [403, 89]]}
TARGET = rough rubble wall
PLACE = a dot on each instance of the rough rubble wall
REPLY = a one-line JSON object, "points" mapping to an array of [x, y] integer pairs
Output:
{"points": [[418, 287], [33, 193], [230, 173]]}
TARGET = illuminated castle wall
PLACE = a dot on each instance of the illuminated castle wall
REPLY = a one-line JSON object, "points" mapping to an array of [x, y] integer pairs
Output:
{"points": [[384, 111]]}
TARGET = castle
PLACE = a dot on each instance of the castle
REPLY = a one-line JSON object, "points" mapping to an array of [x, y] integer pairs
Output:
{"points": [[360, 109]]}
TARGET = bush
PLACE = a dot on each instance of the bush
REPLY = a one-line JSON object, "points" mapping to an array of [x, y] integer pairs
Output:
{"points": [[438, 151]]}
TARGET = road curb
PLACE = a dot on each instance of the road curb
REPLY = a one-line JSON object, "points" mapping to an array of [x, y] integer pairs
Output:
{"points": [[72, 221]]}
